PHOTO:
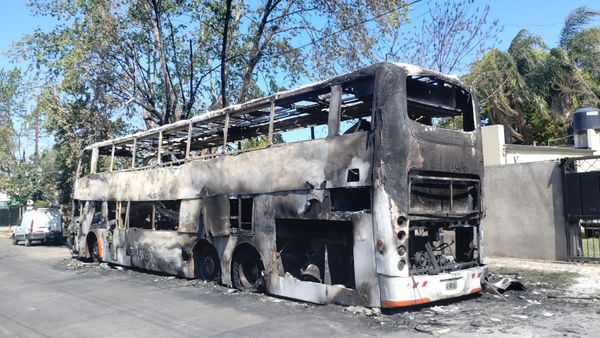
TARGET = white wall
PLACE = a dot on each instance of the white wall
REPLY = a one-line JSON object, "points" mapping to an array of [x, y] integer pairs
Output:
{"points": [[496, 152]]}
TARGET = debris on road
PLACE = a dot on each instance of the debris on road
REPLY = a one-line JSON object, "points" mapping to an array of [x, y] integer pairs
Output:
{"points": [[363, 310], [509, 283]]}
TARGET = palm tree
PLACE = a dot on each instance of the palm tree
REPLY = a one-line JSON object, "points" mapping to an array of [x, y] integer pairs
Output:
{"points": [[532, 90]]}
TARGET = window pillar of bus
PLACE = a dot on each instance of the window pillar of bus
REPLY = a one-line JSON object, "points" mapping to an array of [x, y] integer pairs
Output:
{"points": [[335, 105]]}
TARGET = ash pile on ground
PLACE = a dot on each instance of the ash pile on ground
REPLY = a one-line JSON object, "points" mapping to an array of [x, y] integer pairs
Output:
{"points": [[548, 307]]}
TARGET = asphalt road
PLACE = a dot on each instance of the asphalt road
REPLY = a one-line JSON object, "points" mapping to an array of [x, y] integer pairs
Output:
{"points": [[41, 297], [44, 293]]}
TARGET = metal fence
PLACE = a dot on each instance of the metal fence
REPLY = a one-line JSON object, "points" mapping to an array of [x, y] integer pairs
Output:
{"points": [[9, 216], [581, 196]]}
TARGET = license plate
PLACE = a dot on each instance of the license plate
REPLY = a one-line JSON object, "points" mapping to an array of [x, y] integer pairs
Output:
{"points": [[451, 285]]}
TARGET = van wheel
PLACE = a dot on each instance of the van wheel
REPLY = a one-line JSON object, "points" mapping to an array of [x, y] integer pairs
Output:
{"points": [[247, 271], [14, 240], [27, 241]]}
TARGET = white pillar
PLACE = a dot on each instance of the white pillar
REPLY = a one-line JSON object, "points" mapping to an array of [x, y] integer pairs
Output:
{"points": [[593, 140], [493, 145]]}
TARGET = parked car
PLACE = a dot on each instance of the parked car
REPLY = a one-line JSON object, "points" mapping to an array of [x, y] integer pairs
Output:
{"points": [[44, 225]]}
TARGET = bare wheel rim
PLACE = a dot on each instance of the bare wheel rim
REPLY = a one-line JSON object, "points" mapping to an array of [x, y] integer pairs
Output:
{"points": [[248, 272]]}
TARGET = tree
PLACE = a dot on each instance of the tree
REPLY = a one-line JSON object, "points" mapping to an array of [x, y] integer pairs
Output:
{"points": [[449, 33], [532, 90], [158, 57], [11, 108], [75, 120]]}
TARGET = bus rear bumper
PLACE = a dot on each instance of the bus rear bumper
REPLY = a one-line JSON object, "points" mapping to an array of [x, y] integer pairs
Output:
{"points": [[408, 291]]}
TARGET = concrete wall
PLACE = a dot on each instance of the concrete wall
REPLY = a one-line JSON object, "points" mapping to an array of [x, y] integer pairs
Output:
{"points": [[524, 211], [496, 152]]}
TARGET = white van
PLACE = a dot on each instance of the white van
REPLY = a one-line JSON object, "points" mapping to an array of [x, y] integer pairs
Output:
{"points": [[42, 225]]}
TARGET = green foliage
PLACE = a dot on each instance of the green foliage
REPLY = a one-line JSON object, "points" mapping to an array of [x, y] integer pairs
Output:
{"points": [[261, 141], [11, 108], [75, 121], [23, 183], [532, 90], [159, 59]]}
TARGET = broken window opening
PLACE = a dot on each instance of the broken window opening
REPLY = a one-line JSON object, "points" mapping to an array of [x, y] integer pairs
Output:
{"points": [[146, 151], [444, 195], [206, 139], [441, 247], [350, 199], [167, 215], [112, 214], [357, 106], [173, 146], [434, 102], [141, 215], [98, 218], [123, 156], [77, 209], [241, 212], [316, 250], [353, 175], [104, 159], [85, 164]]}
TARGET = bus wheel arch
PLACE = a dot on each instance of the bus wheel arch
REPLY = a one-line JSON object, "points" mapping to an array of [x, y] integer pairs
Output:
{"points": [[247, 269], [94, 247], [207, 265]]}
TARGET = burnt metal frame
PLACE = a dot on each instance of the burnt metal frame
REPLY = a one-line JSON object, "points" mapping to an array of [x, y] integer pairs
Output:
{"points": [[253, 118], [449, 215]]}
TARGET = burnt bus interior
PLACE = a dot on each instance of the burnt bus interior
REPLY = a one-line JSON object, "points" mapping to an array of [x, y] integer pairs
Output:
{"points": [[317, 251], [444, 207], [444, 210], [227, 134], [435, 102]]}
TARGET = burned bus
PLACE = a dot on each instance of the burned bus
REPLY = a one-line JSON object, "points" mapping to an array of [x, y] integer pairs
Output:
{"points": [[374, 198]]}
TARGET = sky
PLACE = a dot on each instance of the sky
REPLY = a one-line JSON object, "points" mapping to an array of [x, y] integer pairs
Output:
{"points": [[542, 17]]}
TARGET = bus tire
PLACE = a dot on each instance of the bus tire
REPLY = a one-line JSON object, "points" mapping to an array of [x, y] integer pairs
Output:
{"points": [[207, 263], [93, 248], [14, 240], [247, 270]]}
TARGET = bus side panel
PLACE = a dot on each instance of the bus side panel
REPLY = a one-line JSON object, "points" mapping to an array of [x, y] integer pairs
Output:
{"points": [[161, 251], [322, 163]]}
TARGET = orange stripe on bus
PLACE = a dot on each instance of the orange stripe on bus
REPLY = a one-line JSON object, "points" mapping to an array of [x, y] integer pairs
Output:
{"points": [[476, 290], [401, 303]]}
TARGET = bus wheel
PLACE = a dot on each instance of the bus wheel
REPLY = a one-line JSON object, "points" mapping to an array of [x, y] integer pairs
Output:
{"points": [[247, 271], [94, 252], [14, 240], [207, 264]]}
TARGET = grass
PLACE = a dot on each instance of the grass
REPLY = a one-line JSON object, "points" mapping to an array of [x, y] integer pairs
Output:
{"points": [[591, 247], [531, 276]]}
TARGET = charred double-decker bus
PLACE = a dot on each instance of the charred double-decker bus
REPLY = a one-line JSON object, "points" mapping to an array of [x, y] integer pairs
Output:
{"points": [[373, 198]]}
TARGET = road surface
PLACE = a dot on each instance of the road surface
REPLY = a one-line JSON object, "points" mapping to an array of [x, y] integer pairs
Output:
{"points": [[44, 293], [41, 297]]}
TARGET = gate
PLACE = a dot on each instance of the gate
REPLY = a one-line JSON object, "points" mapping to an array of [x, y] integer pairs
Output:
{"points": [[581, 197]]}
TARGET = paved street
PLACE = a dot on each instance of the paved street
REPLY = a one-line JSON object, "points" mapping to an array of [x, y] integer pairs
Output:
{"points": [[41, 298], [44, 293]]}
